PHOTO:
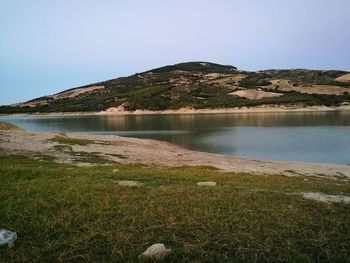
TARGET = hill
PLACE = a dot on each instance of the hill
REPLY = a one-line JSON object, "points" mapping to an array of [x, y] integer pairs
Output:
{"points": [[198, 85]]}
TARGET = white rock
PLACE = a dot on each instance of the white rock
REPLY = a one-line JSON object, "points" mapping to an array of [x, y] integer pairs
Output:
{"points": [[206, 184], [326, 198], [84, 164], [7, 237], [115, 170], [156, 251], [130, 183]]}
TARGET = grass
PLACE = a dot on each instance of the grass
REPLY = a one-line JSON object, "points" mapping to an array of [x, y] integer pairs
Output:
{"points": [[67, 140], [91, 158], [64, 213]]}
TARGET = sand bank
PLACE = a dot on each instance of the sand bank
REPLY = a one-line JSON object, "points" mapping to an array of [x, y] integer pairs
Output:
{"points": [[259, 109]]}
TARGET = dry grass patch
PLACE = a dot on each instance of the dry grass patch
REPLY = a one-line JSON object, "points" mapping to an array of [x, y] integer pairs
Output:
{"points": [[285, 85], [344, 78], [71, 141], [254, 94], [231, 80]]}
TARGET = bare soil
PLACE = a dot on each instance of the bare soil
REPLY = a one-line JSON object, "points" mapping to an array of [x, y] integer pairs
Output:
{"points": [[254, 94]]}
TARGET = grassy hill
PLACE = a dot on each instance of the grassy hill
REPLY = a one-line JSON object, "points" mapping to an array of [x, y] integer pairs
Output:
{"points": [[197, 85]]}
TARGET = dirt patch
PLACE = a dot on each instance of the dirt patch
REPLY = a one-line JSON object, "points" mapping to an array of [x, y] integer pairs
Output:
{"points": [[254, 94], [8, 126]]}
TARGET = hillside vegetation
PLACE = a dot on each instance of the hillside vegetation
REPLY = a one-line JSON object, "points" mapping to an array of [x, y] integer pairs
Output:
{"points": [[197, 85]]}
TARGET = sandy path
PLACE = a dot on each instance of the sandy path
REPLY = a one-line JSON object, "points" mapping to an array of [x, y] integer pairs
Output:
{"points": [[151, 152]]}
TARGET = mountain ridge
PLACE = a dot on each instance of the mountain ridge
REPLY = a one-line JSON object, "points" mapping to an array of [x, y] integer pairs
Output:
{"points": [[198, 85]]}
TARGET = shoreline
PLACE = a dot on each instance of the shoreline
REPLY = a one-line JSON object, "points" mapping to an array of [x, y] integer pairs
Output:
{"points": [[259, 109], [83, 149]]}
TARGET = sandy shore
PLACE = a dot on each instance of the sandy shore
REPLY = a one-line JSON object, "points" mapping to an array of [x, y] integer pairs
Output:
{"points": [[150, 152], [259, 109]]}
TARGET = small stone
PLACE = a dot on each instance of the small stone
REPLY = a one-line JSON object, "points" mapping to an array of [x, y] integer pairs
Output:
{"points": [[156, 251], [305, 179], [7, 237], [210, 184], [115, 170], [107, 164], [321, 197], [84, 164], [130, 183]]}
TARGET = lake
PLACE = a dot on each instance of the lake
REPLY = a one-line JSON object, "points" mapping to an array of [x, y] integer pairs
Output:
{"points": [[298, 136]]}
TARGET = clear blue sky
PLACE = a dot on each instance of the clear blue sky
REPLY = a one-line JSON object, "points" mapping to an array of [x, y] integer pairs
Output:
{"points": [[47, 46]]}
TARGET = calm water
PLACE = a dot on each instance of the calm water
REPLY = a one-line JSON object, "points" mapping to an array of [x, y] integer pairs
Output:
{"points": [[311, 137]]}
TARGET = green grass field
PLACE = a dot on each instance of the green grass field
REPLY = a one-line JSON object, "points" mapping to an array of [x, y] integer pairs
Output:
{"points": [[63, 213]]}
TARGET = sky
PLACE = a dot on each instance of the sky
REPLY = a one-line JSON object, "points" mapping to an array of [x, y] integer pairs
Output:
{"points": [[49, 46]]}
